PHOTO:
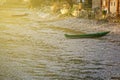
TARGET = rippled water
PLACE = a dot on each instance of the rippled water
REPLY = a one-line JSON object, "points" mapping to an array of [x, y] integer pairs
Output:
{"points": [[32, 50]]}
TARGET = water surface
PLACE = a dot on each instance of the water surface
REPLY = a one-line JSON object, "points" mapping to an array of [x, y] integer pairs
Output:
{"points": [[32, 50]]}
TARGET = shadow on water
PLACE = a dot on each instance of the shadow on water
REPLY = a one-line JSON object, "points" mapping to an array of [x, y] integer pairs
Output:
{"points": [[65, 29], [56, 28]]}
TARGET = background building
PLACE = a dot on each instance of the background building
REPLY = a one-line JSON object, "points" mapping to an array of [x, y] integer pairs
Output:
{"points": [[111, 6]]}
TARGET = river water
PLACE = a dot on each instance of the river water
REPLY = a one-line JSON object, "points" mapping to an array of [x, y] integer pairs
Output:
{"points": [[34, 50]]}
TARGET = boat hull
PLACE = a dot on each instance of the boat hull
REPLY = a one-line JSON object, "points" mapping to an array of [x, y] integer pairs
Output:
{"points": [[93, 35]]}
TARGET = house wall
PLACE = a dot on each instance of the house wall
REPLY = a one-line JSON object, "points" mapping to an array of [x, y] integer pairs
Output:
{"points": [[119, 8], [107, 5], [113, 6]]}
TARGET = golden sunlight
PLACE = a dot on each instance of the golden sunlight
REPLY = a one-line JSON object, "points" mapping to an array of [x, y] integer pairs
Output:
{"points": [[59, 39]]}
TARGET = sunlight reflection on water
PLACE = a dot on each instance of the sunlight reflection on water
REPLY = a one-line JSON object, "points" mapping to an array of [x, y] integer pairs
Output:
{"points": [[41, 52]]}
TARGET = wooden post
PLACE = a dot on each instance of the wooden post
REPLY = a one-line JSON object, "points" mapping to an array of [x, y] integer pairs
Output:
{"points": [[118, 7], [101, 4], [108, 6]]}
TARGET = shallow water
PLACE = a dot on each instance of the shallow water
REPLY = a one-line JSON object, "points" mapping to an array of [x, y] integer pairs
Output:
{"points": [[32, 50]]}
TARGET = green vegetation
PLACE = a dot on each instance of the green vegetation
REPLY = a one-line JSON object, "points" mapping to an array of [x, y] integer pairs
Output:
{"points": [[40, 3]]}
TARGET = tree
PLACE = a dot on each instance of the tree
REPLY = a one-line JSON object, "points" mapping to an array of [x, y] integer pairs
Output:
{"points": [[39, 3]]}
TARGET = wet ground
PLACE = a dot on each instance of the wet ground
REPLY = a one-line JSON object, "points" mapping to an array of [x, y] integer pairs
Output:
{"points": [[34, 50]]}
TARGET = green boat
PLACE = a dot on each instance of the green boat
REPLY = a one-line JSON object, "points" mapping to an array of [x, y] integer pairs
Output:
{"points": [[92, 35]]}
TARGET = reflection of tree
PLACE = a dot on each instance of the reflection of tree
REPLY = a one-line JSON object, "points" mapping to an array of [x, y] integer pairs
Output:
{"points": [[70, 2]]}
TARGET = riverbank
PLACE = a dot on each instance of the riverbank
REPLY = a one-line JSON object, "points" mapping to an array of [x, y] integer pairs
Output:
{"points": [[91, 26]]}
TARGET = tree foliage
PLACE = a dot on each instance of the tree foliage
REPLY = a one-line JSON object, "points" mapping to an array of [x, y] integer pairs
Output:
{"points": [[39, 3]]}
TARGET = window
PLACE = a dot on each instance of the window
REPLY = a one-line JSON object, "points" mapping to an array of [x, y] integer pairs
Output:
{"points": [[104, 3], [114, 3], [111, 3]]}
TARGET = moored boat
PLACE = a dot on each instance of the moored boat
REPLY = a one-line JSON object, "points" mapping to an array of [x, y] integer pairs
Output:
{"points": [[92, 35]]}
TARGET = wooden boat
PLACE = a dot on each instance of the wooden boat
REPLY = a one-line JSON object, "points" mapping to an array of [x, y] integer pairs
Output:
{"points": [[92, 35]]}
